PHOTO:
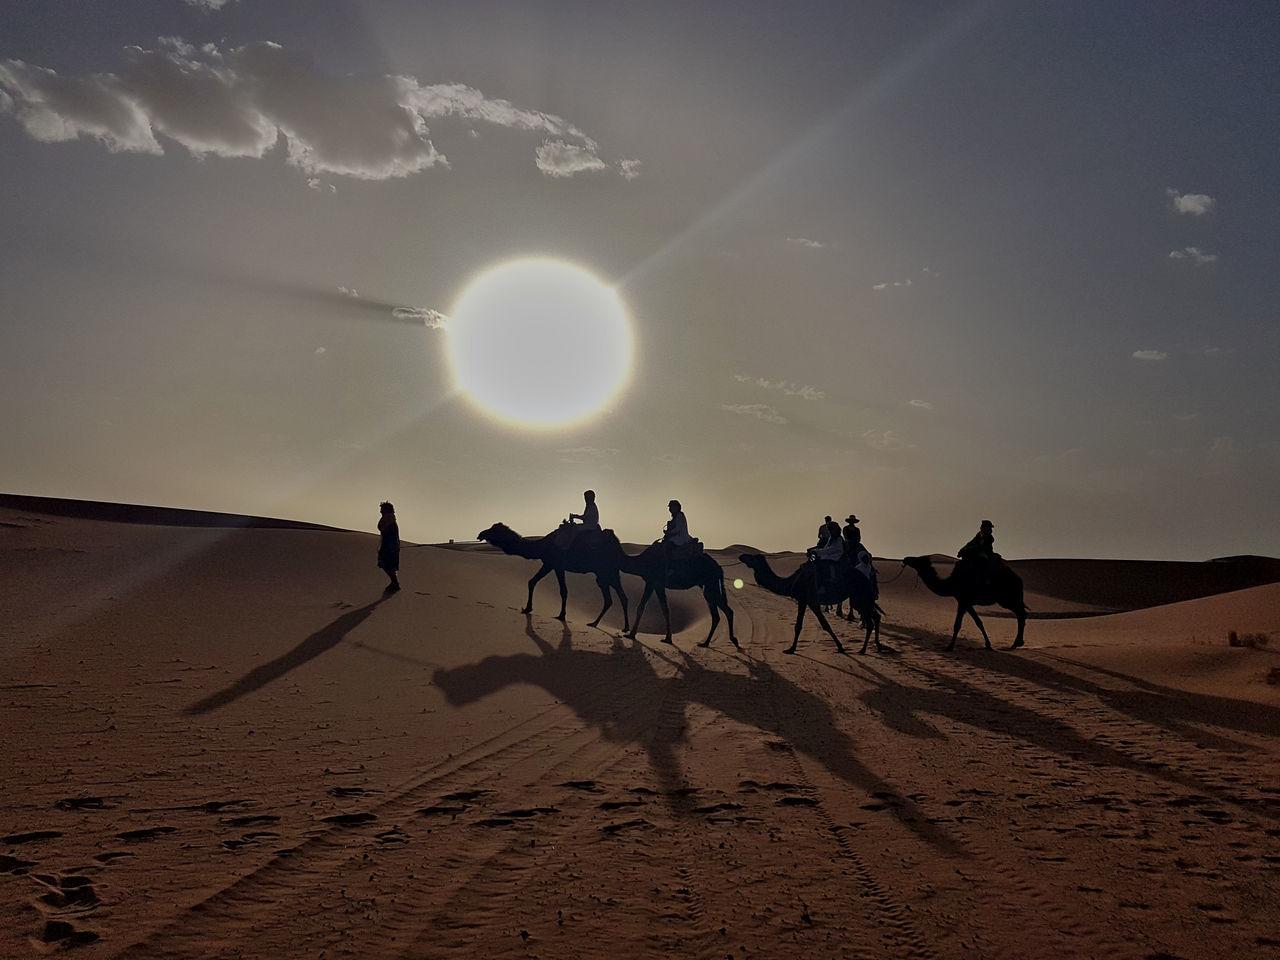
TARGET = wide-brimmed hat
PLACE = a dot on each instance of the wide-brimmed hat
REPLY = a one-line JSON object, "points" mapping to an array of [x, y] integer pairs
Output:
{"points": [[987, 523], [851, 519]]}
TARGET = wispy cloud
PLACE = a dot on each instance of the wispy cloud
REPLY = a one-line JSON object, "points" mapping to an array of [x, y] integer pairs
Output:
{"points": [[630, 169], [761, 411], [1194, 254], [208, 5], [920, 404], [243, 101], [432, 319], [1193, 204], [788, 389], [556, 158], [806, 243], [319, 186], [1150, 355], [886, 440]]}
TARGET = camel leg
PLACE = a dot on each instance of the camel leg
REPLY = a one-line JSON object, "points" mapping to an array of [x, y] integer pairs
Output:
{"points": [[666, 612], [983, 630], [870, 621], [622, 598], [644, 598], [1021, 613], [955, 630], [799, 621], [608, 601], [533, 582], [709, 593], [728, 615], [827, 627], [564, 594]]}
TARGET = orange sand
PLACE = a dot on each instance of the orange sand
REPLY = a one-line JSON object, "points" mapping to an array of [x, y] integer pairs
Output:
{"points": [[225, 742]]}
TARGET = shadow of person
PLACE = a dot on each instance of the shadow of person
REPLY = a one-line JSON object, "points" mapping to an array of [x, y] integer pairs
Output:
{"points": [[326, 638]]}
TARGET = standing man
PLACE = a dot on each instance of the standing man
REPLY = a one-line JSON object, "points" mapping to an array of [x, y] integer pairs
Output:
{"points": [[389, 547]]}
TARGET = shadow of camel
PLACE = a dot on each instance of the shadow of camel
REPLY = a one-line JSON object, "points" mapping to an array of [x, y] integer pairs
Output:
{"points": [[322, 640], [620, 692], [944, 695]]}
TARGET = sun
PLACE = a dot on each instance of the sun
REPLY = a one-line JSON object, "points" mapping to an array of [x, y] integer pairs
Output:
{"points": [[540, 343]]}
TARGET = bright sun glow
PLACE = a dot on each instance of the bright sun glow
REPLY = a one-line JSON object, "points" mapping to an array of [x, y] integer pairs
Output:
{"points": [[540, 342]]}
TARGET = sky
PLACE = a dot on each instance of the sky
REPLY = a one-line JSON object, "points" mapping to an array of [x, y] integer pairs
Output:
{"points": [[929, 263]]}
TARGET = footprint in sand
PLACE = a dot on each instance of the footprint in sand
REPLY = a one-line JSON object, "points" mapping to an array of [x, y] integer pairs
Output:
{"points": [[60, 935], [142, 836], [14, 865], [35, 836], [72, 894], [350, 819]]}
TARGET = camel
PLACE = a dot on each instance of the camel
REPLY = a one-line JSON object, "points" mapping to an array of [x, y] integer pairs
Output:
{"points": [[1004, 590], [804, 588], [585, 554], [661, 574]]}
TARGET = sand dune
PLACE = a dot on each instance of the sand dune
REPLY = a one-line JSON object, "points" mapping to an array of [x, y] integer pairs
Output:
{"points": [[222, 740]]}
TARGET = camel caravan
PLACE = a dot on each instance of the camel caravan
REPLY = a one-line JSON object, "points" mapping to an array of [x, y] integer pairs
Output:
{"points": [[838, 569]]}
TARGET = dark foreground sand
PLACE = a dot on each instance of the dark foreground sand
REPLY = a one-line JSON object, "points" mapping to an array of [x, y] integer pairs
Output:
{"points": [[224, 742]]}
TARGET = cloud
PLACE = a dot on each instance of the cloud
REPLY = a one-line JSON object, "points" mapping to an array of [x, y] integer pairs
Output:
{"points": [[432, 319], [1194, 204], [320, 351], [319, 186], [761, 411], [246, 101], [1150, 355], [879, 286], [885, 440], [807, 244], [556, 158], [920, 404], [208, 5], [788, 389], [1194, 254], [630, 169]]}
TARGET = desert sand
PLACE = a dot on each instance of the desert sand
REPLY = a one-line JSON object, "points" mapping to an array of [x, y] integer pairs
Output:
{"points": [[222, 740]]}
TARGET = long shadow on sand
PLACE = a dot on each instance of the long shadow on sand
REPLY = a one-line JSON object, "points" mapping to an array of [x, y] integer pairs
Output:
{"points": [[1177, 711], [942, 694], [620, 692], [323, 639]]}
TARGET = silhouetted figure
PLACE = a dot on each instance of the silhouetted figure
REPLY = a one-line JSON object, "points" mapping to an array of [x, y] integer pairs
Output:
{"points": [[983, 544], [970, 589], [590, 515], [827, 552], [389, 548], [859, 554], [599, 556], [810, 591], [978, 557], [676, 532]]}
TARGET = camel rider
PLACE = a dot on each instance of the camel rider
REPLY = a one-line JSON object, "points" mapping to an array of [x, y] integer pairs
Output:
{"points": [[980, 552], [828, 551], [676, 532], [589, 517], [859, 554]]}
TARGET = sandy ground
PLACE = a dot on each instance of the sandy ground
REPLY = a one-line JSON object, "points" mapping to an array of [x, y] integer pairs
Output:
{"points": [[228, 743]]}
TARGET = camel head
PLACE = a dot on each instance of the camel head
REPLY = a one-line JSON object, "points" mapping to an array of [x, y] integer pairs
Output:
{"points": [[918, 564], [753, 560], [499, 532]]}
